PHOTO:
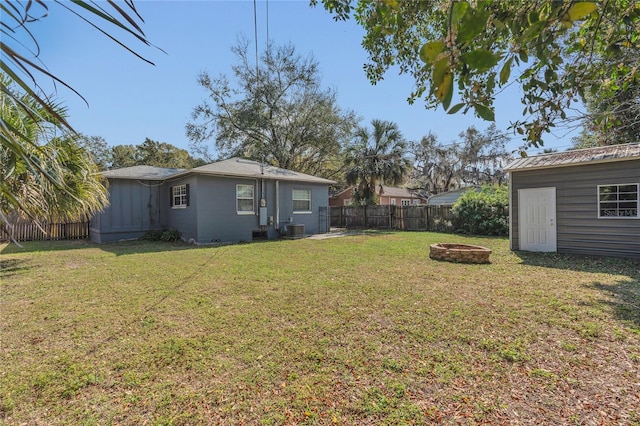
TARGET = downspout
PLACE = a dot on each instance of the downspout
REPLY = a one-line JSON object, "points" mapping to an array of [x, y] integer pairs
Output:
{"points": [[510, 212], [277, 206]]}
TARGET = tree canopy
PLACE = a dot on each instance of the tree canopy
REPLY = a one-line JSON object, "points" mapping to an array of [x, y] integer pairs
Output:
{"points": [[53, 177], [275, 112], [476, 158], [377, 156], [24, 154], [462, 54]]}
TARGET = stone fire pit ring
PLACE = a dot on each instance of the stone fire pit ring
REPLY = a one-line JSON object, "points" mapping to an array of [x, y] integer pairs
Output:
{"points": [[461, 253]]}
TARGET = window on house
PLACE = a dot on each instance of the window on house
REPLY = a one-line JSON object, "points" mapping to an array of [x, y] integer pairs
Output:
{"points": [[406, 202], [619, 201], [301, 200], [179, 196], [347, 202], [393, 201], [416, 202], [244, 199]]}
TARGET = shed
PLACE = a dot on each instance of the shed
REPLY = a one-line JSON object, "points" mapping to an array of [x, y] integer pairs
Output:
{"points": [[580, 201]]}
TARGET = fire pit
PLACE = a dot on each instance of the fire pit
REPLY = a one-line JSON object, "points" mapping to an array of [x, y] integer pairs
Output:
{"points": [[463, 253]]}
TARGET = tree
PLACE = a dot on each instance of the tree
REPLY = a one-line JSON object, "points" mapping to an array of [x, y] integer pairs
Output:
{"points": [[21, 93], [276, 112], [435, 167], [152, 153], [97, 148], [557, 51], [377, 157], [476, 159], [75, 189]]}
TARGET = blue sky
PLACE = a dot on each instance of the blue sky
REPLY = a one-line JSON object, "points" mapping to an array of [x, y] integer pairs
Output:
{"points": [[130, 100]]}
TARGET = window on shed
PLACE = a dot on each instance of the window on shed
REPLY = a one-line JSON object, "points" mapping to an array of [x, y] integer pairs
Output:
{"points": [[301, 200], [180, 196], [619, 201], [406, 202], [244, 199]]}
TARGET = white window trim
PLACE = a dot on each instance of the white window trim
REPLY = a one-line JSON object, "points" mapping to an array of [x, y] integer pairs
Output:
{"points": [[393, 201], [310, 198], [179, 196], [253, 200], [637, 185], [405, 202]]}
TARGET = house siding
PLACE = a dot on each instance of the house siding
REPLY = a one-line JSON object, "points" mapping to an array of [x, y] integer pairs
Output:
{"points": [[182, 219], [319, 199], [218, 219], [137, 212], [579, 230]]}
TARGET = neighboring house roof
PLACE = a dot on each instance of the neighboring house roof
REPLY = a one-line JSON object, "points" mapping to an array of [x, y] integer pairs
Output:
{"points": [[232, 167], [392, 191], [142, 173], [601, 154], [387, 191], [449, 197]]}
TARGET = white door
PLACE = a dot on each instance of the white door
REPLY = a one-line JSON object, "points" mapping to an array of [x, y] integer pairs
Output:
{"points": [[537, 219]]}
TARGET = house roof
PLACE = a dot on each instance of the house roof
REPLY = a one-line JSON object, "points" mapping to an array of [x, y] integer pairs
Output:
{"points": [[252, 169], [387, 191], [449, 197], [601, 154], [392, 191], [232, 167], [142, 173]]}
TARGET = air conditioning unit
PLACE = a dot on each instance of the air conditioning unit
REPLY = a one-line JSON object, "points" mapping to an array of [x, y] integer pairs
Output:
{"points": [[295, 231]]}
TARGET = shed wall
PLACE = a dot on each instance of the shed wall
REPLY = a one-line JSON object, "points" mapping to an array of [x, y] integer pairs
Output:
{"points": [[579, 230]]}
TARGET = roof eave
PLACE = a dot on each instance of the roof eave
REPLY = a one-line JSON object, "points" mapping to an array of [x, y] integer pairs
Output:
{"points": [[582, 163]]}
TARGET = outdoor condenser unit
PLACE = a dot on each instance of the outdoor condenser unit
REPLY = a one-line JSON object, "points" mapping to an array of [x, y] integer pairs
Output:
{"points": [[295, 231]]}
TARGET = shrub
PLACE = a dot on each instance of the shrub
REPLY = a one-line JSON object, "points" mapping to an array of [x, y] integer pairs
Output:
{"points": [[483, 213], [169, 235]]}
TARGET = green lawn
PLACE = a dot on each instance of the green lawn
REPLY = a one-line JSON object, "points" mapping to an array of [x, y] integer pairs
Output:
{"points": [[363, 329]]}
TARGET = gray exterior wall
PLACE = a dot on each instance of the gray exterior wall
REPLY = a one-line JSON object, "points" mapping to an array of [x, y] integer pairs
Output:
{"points": [[211, 215], [134, 209], [579, 230], [182, 219], [319, 199]]}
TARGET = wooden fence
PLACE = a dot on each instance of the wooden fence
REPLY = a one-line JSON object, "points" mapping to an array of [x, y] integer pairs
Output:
{"points": [[29, 231], [406, 218]]}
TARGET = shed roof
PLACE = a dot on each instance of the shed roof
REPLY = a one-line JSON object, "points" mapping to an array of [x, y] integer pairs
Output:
{"points": [[142, 173], [601, 154]]}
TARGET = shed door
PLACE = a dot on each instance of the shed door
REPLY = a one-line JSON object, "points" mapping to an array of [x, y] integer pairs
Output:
{"points": [[537, 219]]}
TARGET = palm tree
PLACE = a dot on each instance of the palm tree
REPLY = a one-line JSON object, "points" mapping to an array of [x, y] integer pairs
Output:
{"points": [[23, 104], [51, 177], [377, 157]]}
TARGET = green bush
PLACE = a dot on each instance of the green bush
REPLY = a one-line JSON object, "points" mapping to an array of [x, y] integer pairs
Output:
{"points": [[169, 235], [483, 213]]}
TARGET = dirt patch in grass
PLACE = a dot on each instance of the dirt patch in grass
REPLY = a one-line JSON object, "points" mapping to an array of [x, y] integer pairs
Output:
{"points": [[364, 329]]}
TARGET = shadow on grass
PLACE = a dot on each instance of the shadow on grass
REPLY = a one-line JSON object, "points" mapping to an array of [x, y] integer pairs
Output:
{"points": [[11, 267], [624, 295], [624, 301], [117, 248], [573, 262]]}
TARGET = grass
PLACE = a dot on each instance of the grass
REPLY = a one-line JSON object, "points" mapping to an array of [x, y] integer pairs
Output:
{"points": [[357, 330]]}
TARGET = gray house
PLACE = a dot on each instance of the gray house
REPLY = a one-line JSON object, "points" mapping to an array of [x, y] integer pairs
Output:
{"points": [[583, 201], [228, 201]]}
